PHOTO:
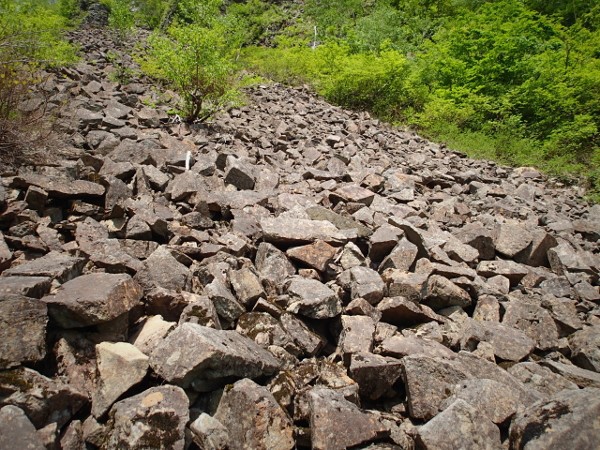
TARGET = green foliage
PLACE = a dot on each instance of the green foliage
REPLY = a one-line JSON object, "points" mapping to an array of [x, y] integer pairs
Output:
{"points": [[197, 62], [69, 9], [30, 39], [121, 18]]}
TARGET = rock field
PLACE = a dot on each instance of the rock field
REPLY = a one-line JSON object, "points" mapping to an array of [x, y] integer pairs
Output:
{"points": [[307, 277]]}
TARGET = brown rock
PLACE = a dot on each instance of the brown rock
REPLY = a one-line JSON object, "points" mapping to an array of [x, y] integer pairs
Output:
{"points": [[316, 255]]}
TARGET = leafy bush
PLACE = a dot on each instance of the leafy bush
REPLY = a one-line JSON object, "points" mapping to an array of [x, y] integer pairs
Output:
{"points": [[197, 62], [30, 39], [120, 18]]}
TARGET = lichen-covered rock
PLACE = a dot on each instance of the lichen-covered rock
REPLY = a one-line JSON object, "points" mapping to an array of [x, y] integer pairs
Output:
{"points": [[156, 418], [16, 431], [193, 352], [569, 419], [253, 418]]}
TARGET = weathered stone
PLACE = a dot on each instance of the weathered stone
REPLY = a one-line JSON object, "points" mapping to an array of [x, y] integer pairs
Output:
{"points": [[59, 266], [156, 418], [400, 346], [93, 299], [510, 269], [246, 286], [347, 225], [297, 231], [540, 378], [402, 312], [508, 343], [313, 299], [120, 366], [383, 240], [585, 348], [151, 333], [375, 374], [193, 352], [494, 400], [60, 188], [487, 309], [536, 254], [272, 263], [265, 330], [511, 239], [240, 173], [35, 287], [479, 238], [335, 423], [352, 193], [22, 330], [581, 377], [184, 185], [16, 431], [253, 418], [316, 255], [210, 434], [162, 270], [461, 425], [405, 284], [439, 292], [569, 419], [308, 341], [226, 305], [366, 283], [534, 321], [402, 257], [36, 197], [356, 335], [200, 310], [22, 387]]}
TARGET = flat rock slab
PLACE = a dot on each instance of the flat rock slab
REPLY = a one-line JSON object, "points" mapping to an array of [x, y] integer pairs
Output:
{"points": [[22, 331], [569, 419], [253, 418], [35, 287], [192, 352], [57, 265], [316, 255], [156, 418], [402, 312], [60, 188], [299, 231], [93, 299]]}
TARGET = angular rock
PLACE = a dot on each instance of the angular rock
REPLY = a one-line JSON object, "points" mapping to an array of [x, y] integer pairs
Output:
{"points": [[573, 416], [162, 270], [439, 292], [510, 269], [585, 348], [316, 255], [534, 321], [353, 193], [194, 352], [512, 239], [240, 174], [272, 263], [405, 284], [402, 312], [356, 335], [246, 286], [366, 283], [200, 310], [383, 240], [35, 287], [120, 366], [581, 377], [494, 400], [265, 330], [400, 346], [60, 188], [210, 434], [313, 299], [308, 341], [22, 388], [335, 423], [151, 333], [402, 256], [59, 266], [93, 299], [156, 418], [540, 378], [253, 418], [16, 431], [461, 425], [22, 330], [226, 305], [375, 374], [298, 231], [508, 343], [479, 238]]}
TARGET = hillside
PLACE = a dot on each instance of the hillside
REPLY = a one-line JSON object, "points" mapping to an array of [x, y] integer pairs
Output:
{"points": [[289, 274]]}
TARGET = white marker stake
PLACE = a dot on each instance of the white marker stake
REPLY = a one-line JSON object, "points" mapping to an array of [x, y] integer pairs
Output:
{"points": [[188, 157]]}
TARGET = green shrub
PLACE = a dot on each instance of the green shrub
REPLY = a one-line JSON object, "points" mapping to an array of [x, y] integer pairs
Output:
{"points": [[120, 18], [196, 62]]}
